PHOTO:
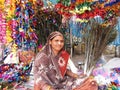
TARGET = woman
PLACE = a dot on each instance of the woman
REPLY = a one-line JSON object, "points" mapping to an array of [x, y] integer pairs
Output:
{"points": [[51, 70]]}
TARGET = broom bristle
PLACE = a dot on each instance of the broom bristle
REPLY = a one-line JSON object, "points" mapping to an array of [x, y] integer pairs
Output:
{"points": [[96, 37]]}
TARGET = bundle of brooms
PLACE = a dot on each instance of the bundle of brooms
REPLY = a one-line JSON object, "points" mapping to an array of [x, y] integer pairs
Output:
{"points": [[96, 37]]}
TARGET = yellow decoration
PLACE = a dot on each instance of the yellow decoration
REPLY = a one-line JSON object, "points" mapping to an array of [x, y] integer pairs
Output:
{"points": [[8, 32], [14, 48], [72, 11], [32, 1], [2, 4], [81, 20], [31, 30], [10, 8], [109, 88], [81, 10], [9, 39], [8, 36], [21, 30]]}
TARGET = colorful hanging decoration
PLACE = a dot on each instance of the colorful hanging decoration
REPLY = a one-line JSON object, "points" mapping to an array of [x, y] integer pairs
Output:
{"points": [[17, 23], [85, 10], [17, 32], [2, 5], [14, 73], [24, 34], [9, 8]]}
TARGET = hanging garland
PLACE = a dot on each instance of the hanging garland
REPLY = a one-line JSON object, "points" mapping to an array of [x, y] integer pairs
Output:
{"points": [[17, 32], [84, 10], [26, 37], [2, 28]]}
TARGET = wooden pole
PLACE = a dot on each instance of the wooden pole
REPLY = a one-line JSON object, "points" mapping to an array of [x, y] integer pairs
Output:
{"points": [[71, 49]]}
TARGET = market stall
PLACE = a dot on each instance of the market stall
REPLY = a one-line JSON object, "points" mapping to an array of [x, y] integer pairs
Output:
{"points": [[17, 42], [25, 25]]}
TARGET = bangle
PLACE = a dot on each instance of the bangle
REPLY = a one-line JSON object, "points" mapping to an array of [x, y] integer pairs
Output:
{"points": [[48, 87]]}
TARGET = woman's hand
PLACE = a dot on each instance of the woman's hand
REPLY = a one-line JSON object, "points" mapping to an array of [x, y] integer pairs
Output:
{"points": [[82, 76], [71, 74]]}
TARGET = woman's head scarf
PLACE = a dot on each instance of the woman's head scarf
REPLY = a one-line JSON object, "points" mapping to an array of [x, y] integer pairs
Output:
{"points": [[47, 48], [54, 34]]}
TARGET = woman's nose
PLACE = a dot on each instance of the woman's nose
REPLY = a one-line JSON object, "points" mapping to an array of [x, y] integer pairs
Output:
{"points": [[59, 42]]}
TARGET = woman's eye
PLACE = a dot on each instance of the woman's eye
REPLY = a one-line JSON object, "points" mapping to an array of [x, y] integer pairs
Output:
{"points": [[59, 41], [62, 41], [56, 40]]}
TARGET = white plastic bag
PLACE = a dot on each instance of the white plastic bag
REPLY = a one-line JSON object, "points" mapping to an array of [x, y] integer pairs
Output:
{"points": [[12, 58]]}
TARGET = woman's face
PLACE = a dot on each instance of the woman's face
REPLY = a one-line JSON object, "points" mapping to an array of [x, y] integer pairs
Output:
{"points": [[57, 44]]}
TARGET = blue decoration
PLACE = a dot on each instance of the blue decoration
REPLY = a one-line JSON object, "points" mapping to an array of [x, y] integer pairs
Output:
{"points": [[112, 3], [117, 40], [72, 1], [75, 27], [98, 19]]}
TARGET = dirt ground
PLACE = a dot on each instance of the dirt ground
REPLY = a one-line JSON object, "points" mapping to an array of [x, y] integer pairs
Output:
{"points": [[80, 58], [78, 53]]}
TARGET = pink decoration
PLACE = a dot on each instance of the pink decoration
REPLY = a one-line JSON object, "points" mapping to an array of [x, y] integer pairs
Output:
{"points": [[7, 2], [3, 26], [101, 72]]}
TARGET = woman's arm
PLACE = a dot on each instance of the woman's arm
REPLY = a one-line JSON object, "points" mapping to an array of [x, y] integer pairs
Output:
{"points": [[72, 66], [71, 74], [73, 70]]}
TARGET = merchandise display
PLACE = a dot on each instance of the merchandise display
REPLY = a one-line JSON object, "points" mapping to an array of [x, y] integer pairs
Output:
{"points": [[25, 25]]}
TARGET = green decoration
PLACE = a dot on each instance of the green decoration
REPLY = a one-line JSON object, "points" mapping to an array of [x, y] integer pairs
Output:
{"points": [[64, 2], [114, 88]]}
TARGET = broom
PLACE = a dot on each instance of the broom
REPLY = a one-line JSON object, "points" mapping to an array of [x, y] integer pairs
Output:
{"points": [[96, 37]]}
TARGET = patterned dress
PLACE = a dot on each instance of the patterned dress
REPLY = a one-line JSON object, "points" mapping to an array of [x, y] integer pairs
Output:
{"points": [[51, 70]]}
